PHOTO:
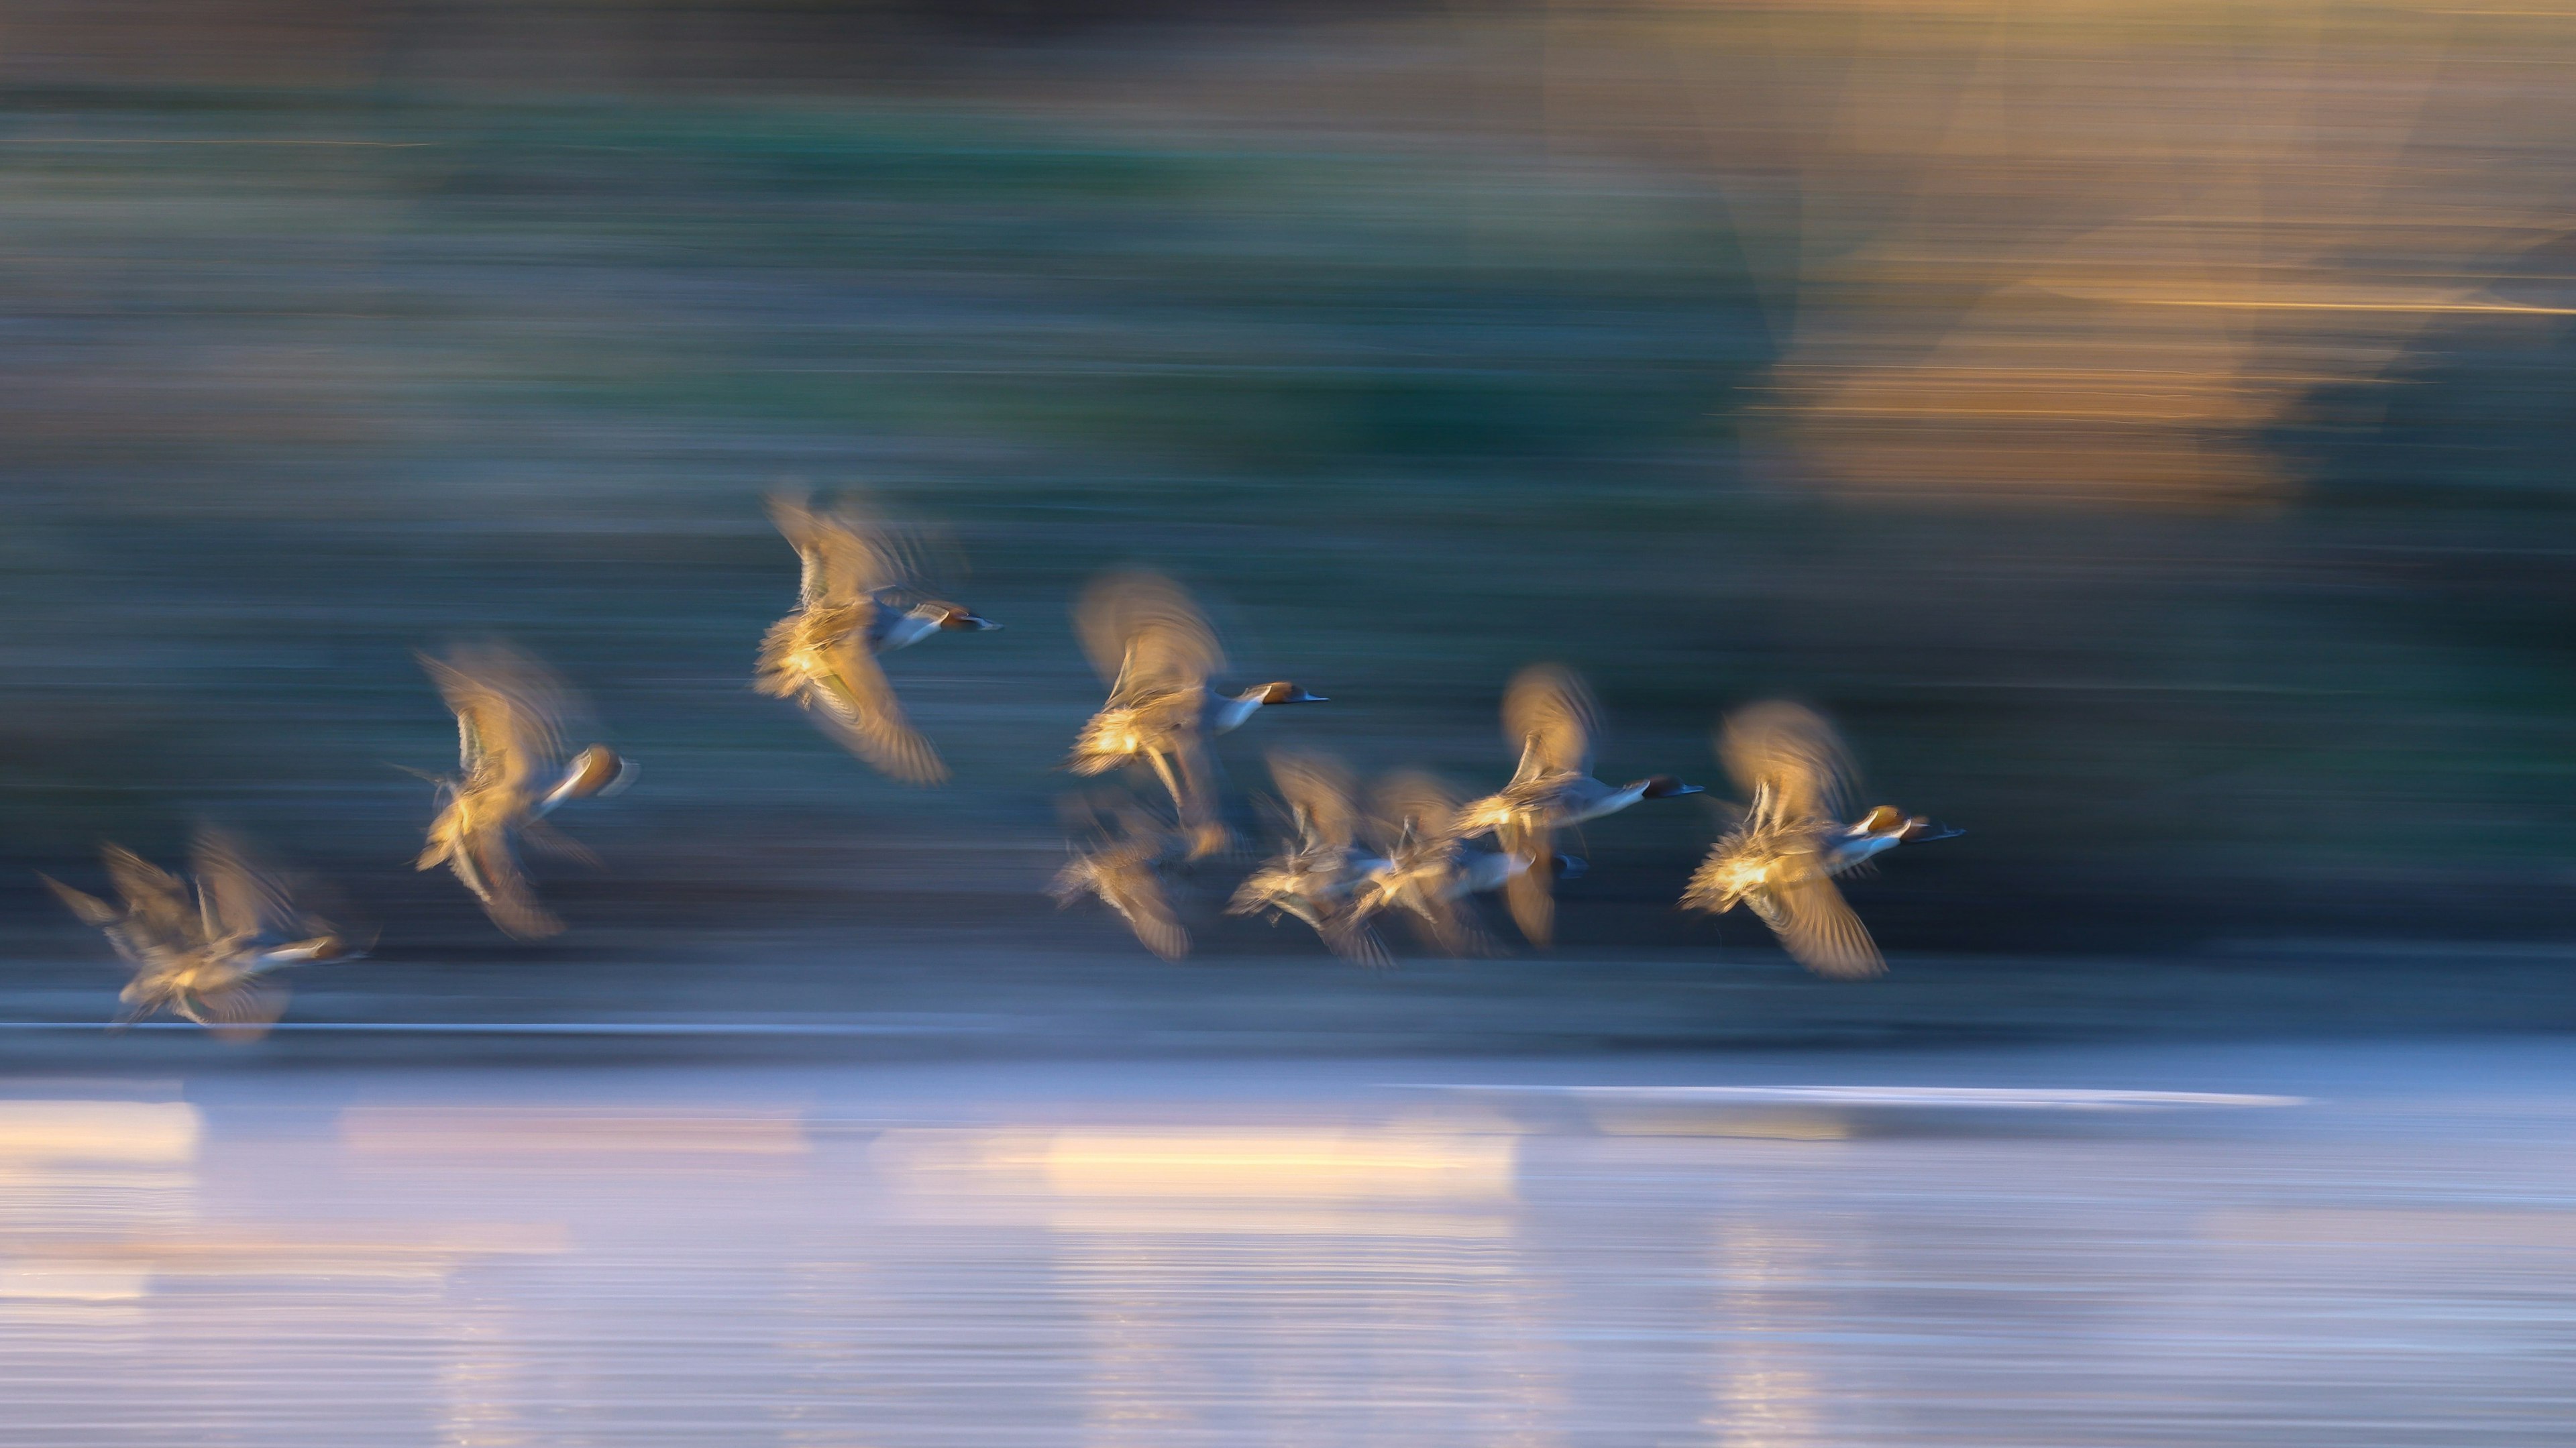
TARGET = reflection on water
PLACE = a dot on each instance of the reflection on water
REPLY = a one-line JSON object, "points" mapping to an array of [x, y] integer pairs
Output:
{"points": [[1761, 1391], [836, 1257]]}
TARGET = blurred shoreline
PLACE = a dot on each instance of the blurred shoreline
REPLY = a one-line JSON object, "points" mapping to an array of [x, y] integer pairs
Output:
{"points": [[889, 1001]]}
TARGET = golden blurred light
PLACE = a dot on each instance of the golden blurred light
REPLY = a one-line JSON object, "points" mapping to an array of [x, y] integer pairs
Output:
{"points": [[1369, 1182], [2084, 250], [135, 1132], [1276, 1164], [1220, 1163]]}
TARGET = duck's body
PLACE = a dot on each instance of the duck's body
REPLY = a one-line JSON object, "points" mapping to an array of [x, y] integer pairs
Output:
{"points": [[1156, 651], [1781, 859], [203, 949], [1549, 713], [1123, 871], [854, 605], [1317, 876], [507, 722], [1556, 801]]}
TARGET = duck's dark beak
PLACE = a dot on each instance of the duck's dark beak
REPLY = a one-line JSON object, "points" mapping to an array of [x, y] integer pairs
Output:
{"points": [[1919, 829], [970, 622], [1302, 697]]}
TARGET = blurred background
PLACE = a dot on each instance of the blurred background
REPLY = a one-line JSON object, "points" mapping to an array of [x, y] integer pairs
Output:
{"points": [[2144, 427]]}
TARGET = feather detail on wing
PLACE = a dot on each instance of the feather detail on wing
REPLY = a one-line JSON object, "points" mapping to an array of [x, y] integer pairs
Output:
{"points": [[489, 868], [509, 713], [1120, 870], [1351, 938], [1550, 715], [1150, 916], [795, 519], [845, 554], [1198, 803], [1414, 805], [1789, 760], [863, 713], [1122, 876], [1146, 635], [1532, 902], [157, 903], [240, 1014], [90, 910], [544, 838], [242, 900], [1818, 928]]}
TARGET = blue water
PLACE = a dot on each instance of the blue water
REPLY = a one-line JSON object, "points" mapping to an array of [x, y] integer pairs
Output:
{"points": [[1298, 1253]]}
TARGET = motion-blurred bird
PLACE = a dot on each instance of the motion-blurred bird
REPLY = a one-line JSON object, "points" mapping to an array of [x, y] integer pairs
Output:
{"points": [[1155, 650], [1781, 859], [1549, 713], [1425, 870], [1122, 868], [509, 713], [1314, 877], [856, 602], [204, 949]]}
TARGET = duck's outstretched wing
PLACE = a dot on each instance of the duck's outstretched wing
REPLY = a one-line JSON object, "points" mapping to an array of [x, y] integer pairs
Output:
{"points": [[1150, 915], [1317, 791], [509, 713], [1818, 928], [240, 898], [490, 868], [846, 553], [794, 515], [1413, 807], [1550, 715], [861, 709], [1198, 801], [158, 905], [1789, 760], [1528, 892], [1350, 937], [1146, 635], [243, 1013], [89, 909], [1128, 883]]}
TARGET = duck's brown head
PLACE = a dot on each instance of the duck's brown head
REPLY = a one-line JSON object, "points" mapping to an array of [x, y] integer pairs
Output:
{"points": [[1880, 820], [1284, 692]]}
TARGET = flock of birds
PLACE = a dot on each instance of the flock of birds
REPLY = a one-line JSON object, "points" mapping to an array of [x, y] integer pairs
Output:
{"points": [[207, 947]]}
